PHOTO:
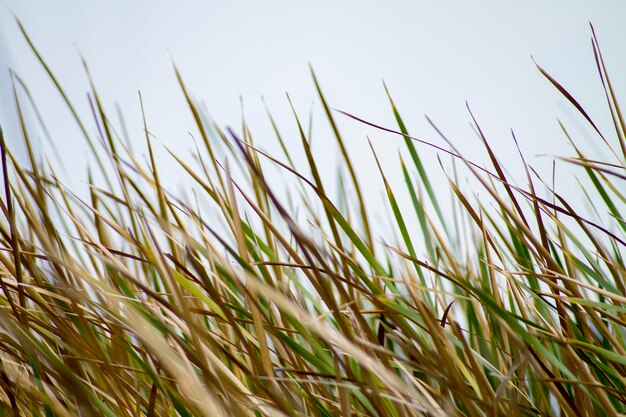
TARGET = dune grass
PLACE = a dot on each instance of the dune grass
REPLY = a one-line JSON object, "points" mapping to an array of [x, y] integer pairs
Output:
{"points": [[141, 301]]}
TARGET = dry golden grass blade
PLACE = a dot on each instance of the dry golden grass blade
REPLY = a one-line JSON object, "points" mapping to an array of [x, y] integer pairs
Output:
{"points": [[233, 298]]}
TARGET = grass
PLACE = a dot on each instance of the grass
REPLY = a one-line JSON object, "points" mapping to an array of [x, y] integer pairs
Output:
{"points": [[135, 300]]}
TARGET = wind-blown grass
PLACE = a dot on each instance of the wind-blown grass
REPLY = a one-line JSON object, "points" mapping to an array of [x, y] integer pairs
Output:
{"points": [[137, 301]]}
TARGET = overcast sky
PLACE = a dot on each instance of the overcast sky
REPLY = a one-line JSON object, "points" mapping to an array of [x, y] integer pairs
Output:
{"points": [[434, 56]]}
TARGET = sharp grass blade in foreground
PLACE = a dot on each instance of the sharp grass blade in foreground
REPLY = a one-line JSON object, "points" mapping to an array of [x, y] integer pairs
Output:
{"points": [[234, 298]]}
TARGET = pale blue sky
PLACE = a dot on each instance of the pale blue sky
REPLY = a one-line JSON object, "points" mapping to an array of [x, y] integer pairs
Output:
{"points": [[433, 55]]}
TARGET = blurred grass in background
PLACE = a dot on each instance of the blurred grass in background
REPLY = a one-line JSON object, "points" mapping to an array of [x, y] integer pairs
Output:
{"points": [[237, 297]]}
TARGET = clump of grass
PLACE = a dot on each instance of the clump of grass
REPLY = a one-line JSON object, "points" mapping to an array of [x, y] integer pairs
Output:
{"points": [[135, 301]]}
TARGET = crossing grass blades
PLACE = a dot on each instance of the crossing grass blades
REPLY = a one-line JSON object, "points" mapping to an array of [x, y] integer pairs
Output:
{"points": [[234, 298]]}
